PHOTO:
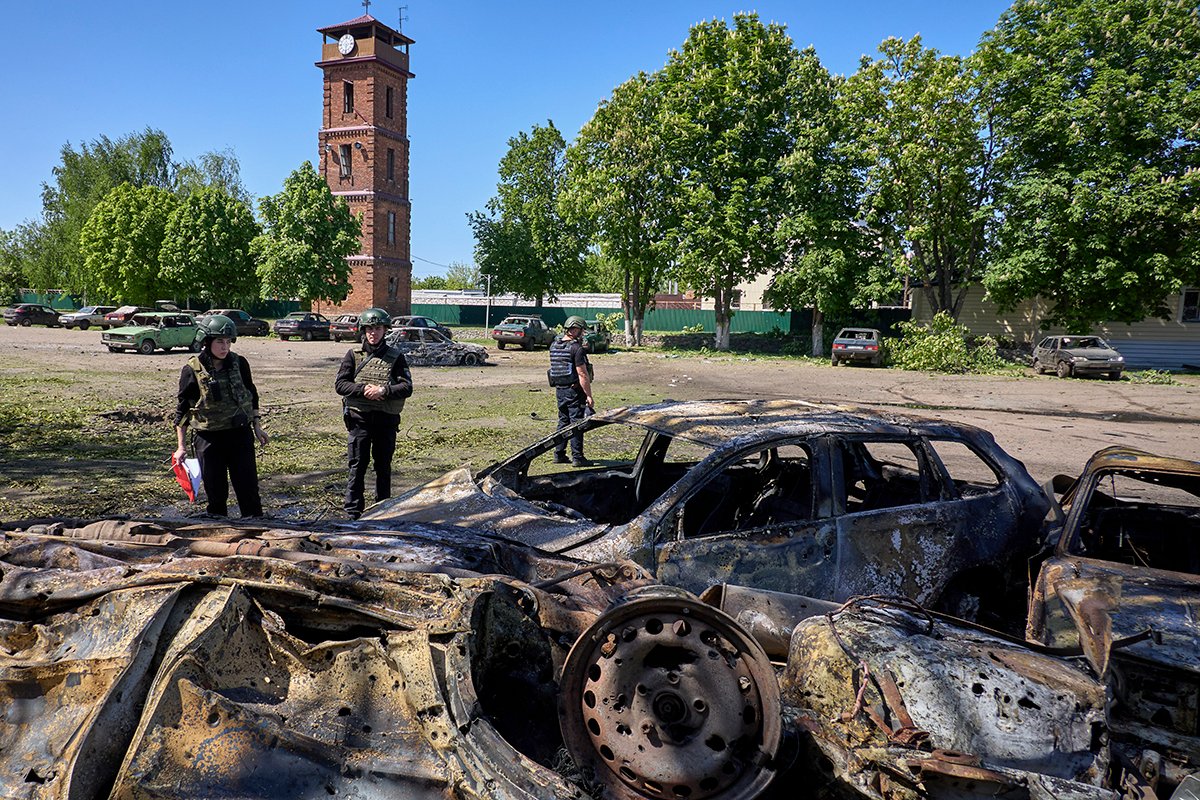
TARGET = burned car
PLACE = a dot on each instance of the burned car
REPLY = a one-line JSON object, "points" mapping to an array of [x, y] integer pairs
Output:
{"points": [[782, 495], [1069, 356], [181, 660], [1123, 585], [427, 347]]}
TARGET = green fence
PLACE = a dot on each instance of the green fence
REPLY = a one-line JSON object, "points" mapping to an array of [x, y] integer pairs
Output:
{"points": [[61, 301], [667, 319]]}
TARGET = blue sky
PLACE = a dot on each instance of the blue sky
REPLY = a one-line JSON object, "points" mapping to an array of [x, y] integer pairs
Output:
{"points": [[219, 74]]}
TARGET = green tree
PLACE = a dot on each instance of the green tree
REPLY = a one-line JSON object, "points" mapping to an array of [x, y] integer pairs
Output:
{"points": [[12, 274], [121, 241], [206, 248], [218, 168], [307, 236], [619, 184], [462, 276], [726, 107], [430, 282], [82, 179], [524, 241], [1096, 108], [924, 132], [830, 264]]}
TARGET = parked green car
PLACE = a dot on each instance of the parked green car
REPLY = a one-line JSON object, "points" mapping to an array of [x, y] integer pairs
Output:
{"points": [[596, 339], [157, 330]]}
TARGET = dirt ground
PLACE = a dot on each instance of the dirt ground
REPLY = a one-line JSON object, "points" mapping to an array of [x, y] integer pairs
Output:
{"points": [[474, 415]]}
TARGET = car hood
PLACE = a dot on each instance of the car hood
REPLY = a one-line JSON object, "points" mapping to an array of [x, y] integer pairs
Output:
{"points": [[456, 499], [133, 330], [1092, 353], [1095, 603]]}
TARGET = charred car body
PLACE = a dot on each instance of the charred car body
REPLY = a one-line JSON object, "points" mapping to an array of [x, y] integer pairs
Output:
{"points": [[227, 660], [427, 347], [1123, 585], [780, 495]]}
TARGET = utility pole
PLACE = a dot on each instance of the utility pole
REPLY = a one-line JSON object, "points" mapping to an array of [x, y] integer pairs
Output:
{"points": [[487, 314]]}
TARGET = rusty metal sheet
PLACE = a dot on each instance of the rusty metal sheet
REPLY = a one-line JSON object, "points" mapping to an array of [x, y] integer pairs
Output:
{"points": [[970, 692]]}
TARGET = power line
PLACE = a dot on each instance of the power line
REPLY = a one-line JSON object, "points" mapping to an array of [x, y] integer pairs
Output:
{"points": [[427, 261]]}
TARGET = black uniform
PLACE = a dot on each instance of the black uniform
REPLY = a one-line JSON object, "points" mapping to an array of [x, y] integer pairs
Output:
{"points": [[219, 405], [566, 356], [371, 424]]}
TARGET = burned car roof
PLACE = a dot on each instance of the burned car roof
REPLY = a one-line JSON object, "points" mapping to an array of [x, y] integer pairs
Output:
{"points": [[781, 495]]}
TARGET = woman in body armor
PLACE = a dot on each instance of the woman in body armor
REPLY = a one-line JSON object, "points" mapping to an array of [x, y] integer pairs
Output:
{"points": [[218, 400], [374, 381], [570, 375]]}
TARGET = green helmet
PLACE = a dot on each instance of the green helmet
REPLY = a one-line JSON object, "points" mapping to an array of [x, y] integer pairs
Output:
{"points": [[374, 316], [574, 322], [218, 326]]}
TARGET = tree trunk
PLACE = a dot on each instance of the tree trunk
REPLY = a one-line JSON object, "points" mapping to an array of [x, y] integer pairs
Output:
{"points": [[721, 310], [818, 333], [538, 303], [638, 323]]}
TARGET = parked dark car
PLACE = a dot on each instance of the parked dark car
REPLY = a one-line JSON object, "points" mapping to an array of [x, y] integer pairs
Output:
{"points": [[26, 314], [344, 328], [524, 330], [1122, 586], [1070, 356], [115, 319], [246, 324], [779, 495], [409, 321], [306, 325], [857, 346], [86, 317]]}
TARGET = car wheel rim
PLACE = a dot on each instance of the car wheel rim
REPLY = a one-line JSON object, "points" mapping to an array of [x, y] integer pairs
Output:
{"points": [[665, 696]]}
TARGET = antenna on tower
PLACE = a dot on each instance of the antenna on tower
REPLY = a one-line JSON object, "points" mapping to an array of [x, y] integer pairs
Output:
{"points": [[400, 13]]}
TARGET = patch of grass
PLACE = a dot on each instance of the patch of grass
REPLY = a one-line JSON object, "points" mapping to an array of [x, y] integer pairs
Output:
{"points": [[1152, 376]]}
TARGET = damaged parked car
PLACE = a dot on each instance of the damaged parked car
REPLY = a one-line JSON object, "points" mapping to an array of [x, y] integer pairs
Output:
{"points": [[1123, 585], [428, 347], [182, 660], [817, 500]]}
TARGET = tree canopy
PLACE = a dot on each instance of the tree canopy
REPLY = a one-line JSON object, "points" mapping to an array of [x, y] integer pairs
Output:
{"points": [[307, 236], [619, 184], [121, 241], [524, 241], [206, 248], [1096, 103], [727, 105]]}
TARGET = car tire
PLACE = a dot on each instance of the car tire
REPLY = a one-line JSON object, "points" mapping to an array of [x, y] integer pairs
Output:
{"points": [[308, 336], [1063, 370], [526, 345], [84, 324], [1038, 369], [501, 345], [833, 361], [470, 360], [25, 323], [197, 345], [111, 349], [146, 347], [286, 338]]}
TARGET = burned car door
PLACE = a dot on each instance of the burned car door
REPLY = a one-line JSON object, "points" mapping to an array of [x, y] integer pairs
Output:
{"points": [[753, 519]]}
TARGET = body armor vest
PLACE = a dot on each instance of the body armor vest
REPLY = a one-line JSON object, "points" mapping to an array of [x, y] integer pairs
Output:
{"points": [[225, 402], [375, 368], [562, 362]]}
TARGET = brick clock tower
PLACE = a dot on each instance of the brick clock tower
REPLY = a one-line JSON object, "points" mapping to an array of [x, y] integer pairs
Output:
{"points": [[364, 153]]}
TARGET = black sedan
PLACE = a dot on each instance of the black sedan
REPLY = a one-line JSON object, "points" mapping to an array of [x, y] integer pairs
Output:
{"points": [[26, 314], [306, 325], [246, 324], [345, 328], [780, 495]]}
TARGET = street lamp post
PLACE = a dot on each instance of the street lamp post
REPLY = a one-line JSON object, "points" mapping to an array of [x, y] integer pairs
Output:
{"points": [[487, 314]]}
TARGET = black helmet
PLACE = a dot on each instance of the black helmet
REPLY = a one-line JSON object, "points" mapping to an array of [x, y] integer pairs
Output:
{"points": [[574, 322], [374, 316], [218, 326]]}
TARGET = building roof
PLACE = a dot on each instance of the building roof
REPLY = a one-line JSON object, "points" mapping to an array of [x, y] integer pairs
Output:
{"points": [[367, 19]]}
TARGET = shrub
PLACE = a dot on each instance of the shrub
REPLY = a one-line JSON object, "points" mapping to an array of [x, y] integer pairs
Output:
{"points": [[697, 328], [1151, 376], [944, 346]]}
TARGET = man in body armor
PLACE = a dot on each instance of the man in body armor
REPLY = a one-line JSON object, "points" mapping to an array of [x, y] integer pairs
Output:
{"points": [[218, 399], [374, 381], [570, 374]]}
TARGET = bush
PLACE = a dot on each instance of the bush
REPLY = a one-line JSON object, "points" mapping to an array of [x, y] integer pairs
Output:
{"points": [[945, 346], [697, 328], [1151, 376]]}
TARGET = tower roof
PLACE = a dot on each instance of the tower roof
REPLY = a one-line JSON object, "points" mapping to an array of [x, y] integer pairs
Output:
{"points": [[358, 24]]}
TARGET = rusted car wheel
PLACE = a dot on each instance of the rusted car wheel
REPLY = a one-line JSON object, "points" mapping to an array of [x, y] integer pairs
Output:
{"points": [[1038, 369], [1063, 370], [665, 696]]}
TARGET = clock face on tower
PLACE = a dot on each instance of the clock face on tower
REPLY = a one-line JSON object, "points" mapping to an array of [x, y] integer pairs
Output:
{"points": [[346, 45]]}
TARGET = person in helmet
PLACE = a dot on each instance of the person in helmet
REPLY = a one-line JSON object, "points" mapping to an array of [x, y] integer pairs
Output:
{"points": [[217, 399], [373, 380], [570, 374]]}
